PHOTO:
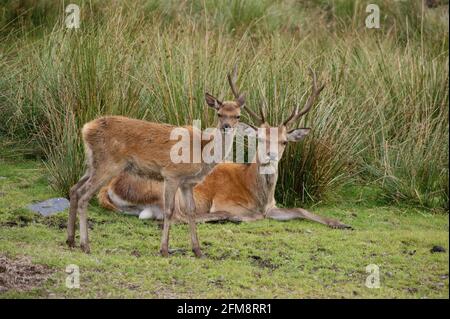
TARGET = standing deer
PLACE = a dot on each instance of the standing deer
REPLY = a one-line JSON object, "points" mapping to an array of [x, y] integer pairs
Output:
{"points": [[116, 144], [235, 192]]}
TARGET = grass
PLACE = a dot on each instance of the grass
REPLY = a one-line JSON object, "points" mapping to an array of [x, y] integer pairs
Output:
{"points": [[295, 259]]}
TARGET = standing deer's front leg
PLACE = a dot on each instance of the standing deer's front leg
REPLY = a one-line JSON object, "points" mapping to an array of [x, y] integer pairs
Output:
{"points": [[188, 195], [170, 189]]}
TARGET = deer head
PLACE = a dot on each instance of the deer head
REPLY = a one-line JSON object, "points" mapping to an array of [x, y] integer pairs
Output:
{"points": [[282, 134], [228, 112]]}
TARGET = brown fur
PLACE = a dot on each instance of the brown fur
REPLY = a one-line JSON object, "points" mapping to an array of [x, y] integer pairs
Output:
{"points": [[104, 199]]}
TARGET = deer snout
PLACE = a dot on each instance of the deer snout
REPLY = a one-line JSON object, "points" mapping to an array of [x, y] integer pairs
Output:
{"points": [[226, 126], [272, 156]]}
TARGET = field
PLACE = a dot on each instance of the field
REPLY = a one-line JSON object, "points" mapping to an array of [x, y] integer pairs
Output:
{"points": [[377, 157], [264, 259]]}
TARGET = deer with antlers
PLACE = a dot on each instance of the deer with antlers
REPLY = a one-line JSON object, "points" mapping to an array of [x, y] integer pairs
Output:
{"points": [[116, 145], [234, 192]]}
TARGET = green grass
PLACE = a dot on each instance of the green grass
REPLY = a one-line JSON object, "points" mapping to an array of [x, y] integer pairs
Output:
{"points": [[296, 259]]}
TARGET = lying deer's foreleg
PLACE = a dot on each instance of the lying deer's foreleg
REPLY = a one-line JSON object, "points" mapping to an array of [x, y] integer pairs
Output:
{"points": [[283, 214], [216, 217], [223, 216]]}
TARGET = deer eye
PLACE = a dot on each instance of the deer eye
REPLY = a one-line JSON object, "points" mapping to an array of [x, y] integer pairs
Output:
{"points": [[238, 117], [284, 142], [219, 115]]}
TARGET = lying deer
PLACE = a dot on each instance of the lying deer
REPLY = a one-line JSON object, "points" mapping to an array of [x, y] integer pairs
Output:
{"points": [[234, 192], [116, 144]]}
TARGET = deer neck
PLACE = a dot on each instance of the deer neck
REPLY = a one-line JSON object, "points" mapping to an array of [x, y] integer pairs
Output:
{"points": [[227, 142], [264, 187], [226, 148]]}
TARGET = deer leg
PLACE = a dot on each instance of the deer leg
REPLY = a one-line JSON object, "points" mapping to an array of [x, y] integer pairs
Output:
{"points": [[188, 195], [73, 210], [224, 216], [170, 189], [85, 193], [283, 214], [216, 217]]}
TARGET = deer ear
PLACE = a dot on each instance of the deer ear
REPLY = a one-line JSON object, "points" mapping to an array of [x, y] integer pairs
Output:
{"points": [[212, 101], [297, 134], [241, 100]]}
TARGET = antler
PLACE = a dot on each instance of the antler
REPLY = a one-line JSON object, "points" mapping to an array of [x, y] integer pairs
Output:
{"points": [[240, 97], [258, 119], [262, 107], [232, 81], [296, 114]]}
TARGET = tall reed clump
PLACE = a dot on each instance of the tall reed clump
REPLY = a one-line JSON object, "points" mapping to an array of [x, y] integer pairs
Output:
{"points": [[67, 80], [381, 120], [408, 151]]}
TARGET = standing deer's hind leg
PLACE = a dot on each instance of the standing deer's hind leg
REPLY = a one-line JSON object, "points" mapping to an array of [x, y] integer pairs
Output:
{"points": [[73, 210], [96, 181], [188, 196], [170, 189]]}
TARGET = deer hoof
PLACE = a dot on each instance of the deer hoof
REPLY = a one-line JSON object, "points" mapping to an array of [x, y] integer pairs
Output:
{"points": [[197, 253], [70, 242], [85, 248], [164, 252]]}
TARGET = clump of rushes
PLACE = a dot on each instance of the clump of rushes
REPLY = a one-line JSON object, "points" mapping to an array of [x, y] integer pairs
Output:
{"points": [[382, 119]]}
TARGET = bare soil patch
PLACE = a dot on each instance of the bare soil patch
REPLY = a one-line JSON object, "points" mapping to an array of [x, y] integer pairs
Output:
{"points": [[21, 274]]}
